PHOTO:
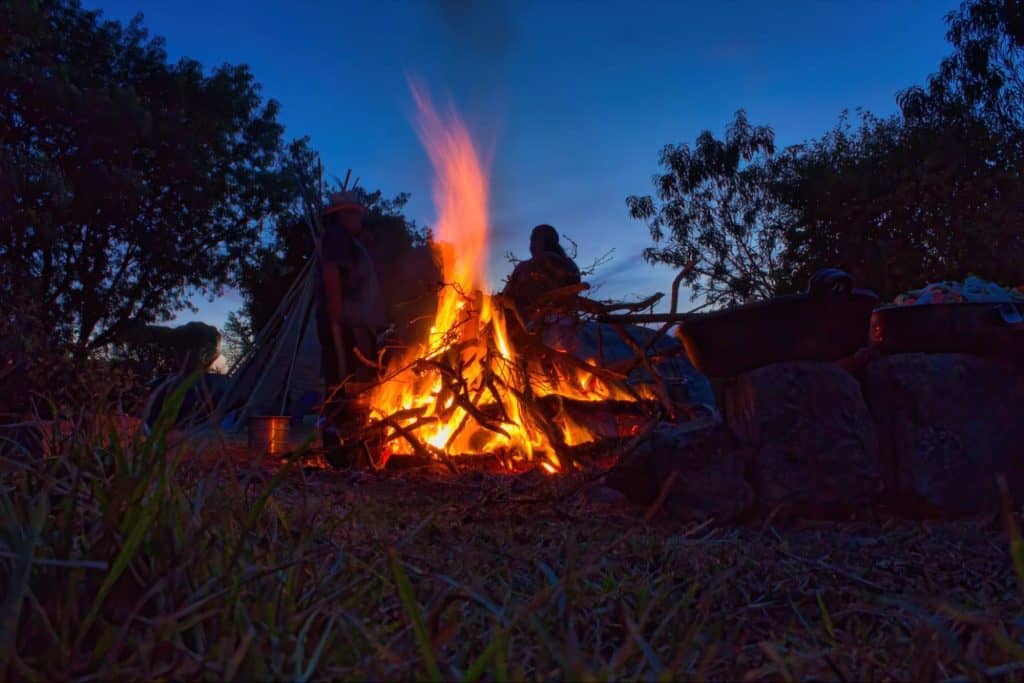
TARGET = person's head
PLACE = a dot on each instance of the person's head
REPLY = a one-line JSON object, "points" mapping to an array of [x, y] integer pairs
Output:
{"points": [[544, 238], [344, 212]]}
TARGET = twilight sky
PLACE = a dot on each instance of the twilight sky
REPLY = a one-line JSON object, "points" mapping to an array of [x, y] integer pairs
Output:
{"points": [[574, 98]]}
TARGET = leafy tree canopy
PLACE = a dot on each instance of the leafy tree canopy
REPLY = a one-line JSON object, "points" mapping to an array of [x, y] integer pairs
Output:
{"points": [[130, 183], [715, 211]]}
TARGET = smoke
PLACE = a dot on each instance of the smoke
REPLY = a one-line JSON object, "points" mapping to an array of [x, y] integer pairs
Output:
{"points": [[484, 28], [461, 56], [471, 42]]}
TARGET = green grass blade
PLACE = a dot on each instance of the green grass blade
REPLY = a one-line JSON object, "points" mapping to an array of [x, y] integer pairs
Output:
{"points": [[416, 616], [300, 646], [118, 567], [826, 619], [1016, 543], [17, 588], [318, 651], [501, 658], [479, 665]]}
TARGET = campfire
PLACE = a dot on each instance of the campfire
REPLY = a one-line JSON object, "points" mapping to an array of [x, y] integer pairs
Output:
{"points": [[481, 383]]}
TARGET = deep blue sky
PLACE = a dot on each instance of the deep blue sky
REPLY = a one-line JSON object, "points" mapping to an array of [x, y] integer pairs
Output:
{"points": [[576, 98]]}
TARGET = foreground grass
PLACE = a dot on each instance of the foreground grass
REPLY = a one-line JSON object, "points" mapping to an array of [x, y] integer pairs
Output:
{"points": [[147, 560]]}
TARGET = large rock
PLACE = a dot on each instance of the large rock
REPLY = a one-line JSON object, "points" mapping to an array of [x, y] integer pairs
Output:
{"points": [[809, 440], [948, 425], [708, 469]]}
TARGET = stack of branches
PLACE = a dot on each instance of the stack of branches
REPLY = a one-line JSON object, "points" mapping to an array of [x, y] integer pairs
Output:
{"points": [[478, 379]]}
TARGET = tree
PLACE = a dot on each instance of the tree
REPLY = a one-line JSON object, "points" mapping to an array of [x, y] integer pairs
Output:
{"points": [[899, 204], [716, 210], [238, 338], [935, 193], [130, 183], [984, 77]]}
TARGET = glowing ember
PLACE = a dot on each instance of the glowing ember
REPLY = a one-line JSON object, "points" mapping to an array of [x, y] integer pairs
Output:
{"points": [[465, 389]]}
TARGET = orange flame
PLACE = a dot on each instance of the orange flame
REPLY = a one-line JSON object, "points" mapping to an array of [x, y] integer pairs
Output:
{"points": [[465, 389], [460, 193]]}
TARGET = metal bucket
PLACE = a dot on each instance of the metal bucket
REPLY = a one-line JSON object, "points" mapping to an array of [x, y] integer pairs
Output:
{"points": [[268, 434]]}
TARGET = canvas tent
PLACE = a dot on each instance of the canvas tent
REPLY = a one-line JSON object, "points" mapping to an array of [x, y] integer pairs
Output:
{"points": [[282, 371]]}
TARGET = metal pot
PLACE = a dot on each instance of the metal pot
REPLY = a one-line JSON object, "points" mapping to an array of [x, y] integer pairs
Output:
{"points": [[826, 323], [981, 329], [268, 434]]}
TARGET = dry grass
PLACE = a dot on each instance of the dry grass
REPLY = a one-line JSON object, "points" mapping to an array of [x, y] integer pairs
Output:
{"points": [[142, 560]]}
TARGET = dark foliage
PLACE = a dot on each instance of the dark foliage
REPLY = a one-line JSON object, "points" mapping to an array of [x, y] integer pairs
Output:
{"points": [[935, 193], [716, 210], [983, 77], [184, 349], [900, 203], [130, 183]]}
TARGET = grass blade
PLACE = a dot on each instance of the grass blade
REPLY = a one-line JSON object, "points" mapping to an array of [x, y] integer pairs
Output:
{"points": [[1016, 543], [239, 656], [318, 651], [415, 615], [17, 588]]}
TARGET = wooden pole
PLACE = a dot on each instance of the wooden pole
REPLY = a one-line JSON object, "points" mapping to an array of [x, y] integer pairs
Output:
{"points": [[303, 325]]}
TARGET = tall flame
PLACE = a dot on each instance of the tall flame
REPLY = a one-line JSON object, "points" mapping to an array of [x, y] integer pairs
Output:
{"points": [[465, 389], [460, 193]]}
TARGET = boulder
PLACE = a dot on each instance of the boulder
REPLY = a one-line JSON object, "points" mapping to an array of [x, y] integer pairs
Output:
{"points": [[808, 439], [948, 426], [708, 469]]}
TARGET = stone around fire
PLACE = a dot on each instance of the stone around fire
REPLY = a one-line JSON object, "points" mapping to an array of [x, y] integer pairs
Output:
{"points": [[811, 444], [948, 426]]}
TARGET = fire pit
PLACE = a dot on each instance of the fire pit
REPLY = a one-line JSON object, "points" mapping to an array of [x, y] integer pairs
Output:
{"points": [[482, 382], [473, 391]]}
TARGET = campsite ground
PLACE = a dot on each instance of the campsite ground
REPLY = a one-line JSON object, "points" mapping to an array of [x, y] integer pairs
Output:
{"points": [[591, 587], [218, 565]]}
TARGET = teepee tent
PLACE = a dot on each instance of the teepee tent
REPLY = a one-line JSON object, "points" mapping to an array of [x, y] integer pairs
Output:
{"points": [[283, 366], [282, 369]]}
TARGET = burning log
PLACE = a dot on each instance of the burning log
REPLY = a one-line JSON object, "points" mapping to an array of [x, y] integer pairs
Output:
{"points": [[557, 401]]}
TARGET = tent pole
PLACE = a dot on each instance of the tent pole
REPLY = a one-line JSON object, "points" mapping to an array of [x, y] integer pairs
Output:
{"points": [[274, 319], [298, 342]]}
